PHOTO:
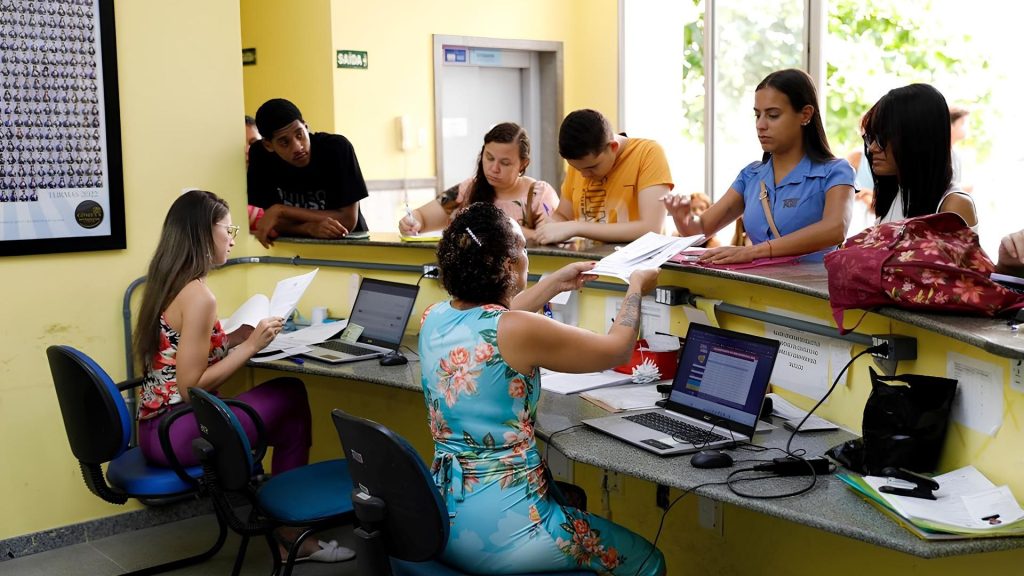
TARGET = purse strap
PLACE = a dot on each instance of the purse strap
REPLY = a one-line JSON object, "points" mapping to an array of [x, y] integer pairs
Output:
{"points": [[528, 209], [768, 210]]}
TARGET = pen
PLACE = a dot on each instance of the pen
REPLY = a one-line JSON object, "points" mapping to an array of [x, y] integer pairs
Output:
{"points": [[546, 209], [547, 310], [298, 361], [408, 216]]}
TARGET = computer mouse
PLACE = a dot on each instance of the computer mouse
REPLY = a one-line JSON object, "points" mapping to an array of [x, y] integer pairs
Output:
{"points": [[711, 459], [393, 359]]}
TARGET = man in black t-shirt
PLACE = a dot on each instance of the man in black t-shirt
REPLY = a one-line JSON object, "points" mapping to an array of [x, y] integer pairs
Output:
{"points": [[306, 184]]}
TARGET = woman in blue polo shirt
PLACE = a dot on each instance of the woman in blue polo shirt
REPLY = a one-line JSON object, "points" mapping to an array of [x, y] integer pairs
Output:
{"points": [[797, 200]]}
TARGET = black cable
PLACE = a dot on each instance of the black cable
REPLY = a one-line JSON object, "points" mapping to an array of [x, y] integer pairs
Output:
{"points": [[551, 437], [661, 524], [872, 349]]}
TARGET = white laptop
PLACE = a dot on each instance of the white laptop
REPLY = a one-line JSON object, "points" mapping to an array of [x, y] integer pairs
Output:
{"points": [[716, 395], [382, 309]]}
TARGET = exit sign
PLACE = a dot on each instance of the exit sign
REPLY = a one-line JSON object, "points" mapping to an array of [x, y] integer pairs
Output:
{"points": [[352, 59]]}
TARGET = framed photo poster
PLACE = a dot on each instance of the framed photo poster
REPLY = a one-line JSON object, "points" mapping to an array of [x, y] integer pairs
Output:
{"points": [[61, 184]]}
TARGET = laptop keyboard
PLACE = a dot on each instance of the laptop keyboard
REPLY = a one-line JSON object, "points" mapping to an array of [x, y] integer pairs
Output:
{"points": [[675, 428], [344, 347]]}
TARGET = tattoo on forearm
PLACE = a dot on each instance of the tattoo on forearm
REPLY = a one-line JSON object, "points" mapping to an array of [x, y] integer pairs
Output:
{"points": [[629, 314]]}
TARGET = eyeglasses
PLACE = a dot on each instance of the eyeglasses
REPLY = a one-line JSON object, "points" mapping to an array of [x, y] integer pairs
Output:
{"points": [[232, 229], [875, 139]]}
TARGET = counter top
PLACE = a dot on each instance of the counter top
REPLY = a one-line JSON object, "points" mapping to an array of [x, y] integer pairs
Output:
{"points": [[992, 335], [828, 506]]}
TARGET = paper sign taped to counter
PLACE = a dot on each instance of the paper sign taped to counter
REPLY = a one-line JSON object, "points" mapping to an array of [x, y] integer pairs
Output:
{"points": [[979, 393], [807, 363]]}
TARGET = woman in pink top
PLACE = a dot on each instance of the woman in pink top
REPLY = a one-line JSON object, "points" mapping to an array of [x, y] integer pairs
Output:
{"points": [[499, 180]]}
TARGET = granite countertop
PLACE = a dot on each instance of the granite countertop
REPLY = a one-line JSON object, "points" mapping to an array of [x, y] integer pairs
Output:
{"points": [[992, 335], [828, 506]]}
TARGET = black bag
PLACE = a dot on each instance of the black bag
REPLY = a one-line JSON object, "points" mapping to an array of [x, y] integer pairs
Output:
{"points": [[904, 425]]}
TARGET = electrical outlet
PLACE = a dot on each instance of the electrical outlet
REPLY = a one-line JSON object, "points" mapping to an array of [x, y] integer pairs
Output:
{"points": [[900, 347], [430, 270]]}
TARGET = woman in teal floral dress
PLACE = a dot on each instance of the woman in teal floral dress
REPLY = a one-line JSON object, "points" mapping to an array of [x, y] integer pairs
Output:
{"points": [[480, 354]]}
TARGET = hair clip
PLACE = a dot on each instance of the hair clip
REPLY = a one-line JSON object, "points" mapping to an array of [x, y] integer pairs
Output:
{"points": [[473, 236]]}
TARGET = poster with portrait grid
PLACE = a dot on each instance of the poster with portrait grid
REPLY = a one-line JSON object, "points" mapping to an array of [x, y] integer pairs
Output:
{"points": [[61, 186]]}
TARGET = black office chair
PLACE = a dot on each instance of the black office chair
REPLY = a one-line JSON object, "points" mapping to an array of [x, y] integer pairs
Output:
{"points": [[99, 430], [403, 521], [313, 497]]}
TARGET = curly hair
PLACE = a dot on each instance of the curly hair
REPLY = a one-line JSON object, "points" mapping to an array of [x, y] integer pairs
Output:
{"points": [[473, 251], [504, 133]]}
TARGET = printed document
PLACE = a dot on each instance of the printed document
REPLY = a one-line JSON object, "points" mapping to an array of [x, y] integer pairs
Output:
{"points": [[648, 251], [563, 383], [282, 303]]}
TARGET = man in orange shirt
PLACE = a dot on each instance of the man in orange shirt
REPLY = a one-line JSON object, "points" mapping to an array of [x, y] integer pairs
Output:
{"points": [[612, 189]]}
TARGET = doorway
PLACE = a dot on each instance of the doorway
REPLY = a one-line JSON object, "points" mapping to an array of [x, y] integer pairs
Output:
{"points": [[480, 82]]}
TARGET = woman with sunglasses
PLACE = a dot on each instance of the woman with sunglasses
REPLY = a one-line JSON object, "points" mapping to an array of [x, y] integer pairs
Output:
{"points": [[907, 142], [181, 345], [797, 199]]}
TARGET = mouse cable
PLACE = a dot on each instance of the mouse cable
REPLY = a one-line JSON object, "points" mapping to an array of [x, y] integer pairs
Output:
{"points": [[661, 524], [730, 480], [872, 349]]}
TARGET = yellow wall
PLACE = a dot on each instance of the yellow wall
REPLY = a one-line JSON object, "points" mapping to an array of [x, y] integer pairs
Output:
{"points": [[293, 57], [181, 104], [398, 37]]}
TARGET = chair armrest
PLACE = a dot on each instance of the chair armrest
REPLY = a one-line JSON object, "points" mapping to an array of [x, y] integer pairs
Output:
{"points": [[129, 384], [260, 449], [165, 443]]}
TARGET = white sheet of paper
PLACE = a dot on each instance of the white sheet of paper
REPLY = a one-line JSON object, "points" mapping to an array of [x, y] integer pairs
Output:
{"points": [[802, 365], [562, 383], [288, 292], [281, 354], [629, 397], [306, 336], [286, 296], [979, 393], [648, 251]]}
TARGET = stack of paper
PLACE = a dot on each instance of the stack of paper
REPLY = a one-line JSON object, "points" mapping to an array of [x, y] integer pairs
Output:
{"points": [[966, 505], [619, 398], [563, 383], [428, 237], [648, 251]]}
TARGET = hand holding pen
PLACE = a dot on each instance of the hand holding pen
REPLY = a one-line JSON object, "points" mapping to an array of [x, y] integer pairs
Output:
{"points": [[409, 225]]}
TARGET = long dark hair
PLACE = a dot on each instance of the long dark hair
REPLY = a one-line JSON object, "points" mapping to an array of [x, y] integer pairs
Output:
{"points": [[913, 121], [472, 253], [504, 133], [798, 86], [183, 254]]}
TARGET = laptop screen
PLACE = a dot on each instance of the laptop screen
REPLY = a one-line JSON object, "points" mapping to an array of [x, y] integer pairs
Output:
{"points": [[382, 308], [723, 374]]}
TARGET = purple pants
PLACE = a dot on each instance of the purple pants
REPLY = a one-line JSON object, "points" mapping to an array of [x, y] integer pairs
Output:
{"points": [[281, 403]]}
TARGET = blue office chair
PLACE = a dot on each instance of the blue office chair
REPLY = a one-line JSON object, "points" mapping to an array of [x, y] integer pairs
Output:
{"points": [[313, 497], [403, 522], [99, 429]]}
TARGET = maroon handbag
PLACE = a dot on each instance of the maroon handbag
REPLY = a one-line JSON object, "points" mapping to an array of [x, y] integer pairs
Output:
{"points": [[931, 263]]}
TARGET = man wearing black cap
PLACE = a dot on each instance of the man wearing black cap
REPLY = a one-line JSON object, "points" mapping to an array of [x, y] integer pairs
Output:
{"points": [[307, 184]]}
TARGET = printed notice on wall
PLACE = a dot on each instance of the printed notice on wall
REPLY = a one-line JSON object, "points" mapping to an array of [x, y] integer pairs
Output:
{"points": [[979, 393], [803, 364]]}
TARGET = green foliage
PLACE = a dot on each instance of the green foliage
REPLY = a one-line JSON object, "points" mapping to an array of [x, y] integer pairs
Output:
{"points": [[872, 47]]}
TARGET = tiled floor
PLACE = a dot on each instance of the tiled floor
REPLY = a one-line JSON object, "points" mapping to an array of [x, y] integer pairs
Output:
{"points": [[134, 550]]}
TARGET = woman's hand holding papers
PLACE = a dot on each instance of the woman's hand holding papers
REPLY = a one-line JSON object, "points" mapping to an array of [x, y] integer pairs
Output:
{"points": [[572, 276], [263, 334]]}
